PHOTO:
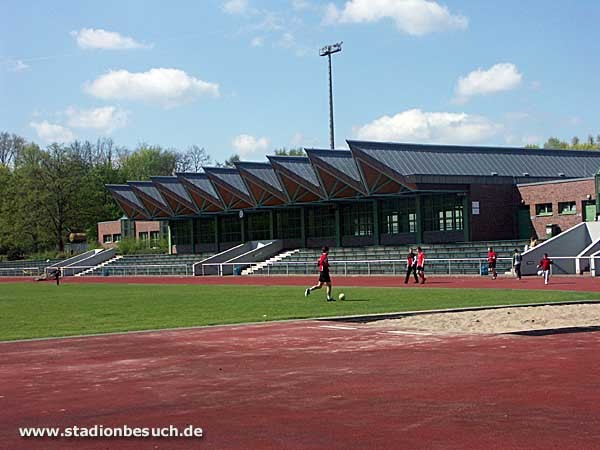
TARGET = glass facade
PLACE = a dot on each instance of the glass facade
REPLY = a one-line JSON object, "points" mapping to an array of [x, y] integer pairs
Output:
{"points": [[181, 232], [357, 219], [204, 231], [398, 215], [288, 224], [230, 229], [320, 222], [259, 226], [443, 213]]}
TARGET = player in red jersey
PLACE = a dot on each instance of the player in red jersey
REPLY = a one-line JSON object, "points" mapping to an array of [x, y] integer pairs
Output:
{"points": [[324, 278], [492, 257], [544, 266], [421, 264]]}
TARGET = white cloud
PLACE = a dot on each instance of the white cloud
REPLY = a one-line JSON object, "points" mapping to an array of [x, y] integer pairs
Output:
{"points": [[90, 38], [105, 119], [257, 41], [51, 133], [235, 6], [167, 87], [250, 146], [415, 125], [414, 17], [299, 5], [500, 77], [19, 65]]}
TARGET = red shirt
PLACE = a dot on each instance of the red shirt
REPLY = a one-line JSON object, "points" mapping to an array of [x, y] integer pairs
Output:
{"points": [[323, 263], [492, 257], [420, 259], [409, 259], [545, 263]]}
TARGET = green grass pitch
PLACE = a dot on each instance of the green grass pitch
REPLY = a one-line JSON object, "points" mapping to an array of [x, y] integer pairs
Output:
{"points": [[29, 310]]}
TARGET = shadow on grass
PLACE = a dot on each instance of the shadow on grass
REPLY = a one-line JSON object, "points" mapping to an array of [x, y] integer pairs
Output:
{"points": [[356, 300]]}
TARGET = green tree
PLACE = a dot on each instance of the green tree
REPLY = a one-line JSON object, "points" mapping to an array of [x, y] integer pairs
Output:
{"points": [[290, 152], [147, 161]]}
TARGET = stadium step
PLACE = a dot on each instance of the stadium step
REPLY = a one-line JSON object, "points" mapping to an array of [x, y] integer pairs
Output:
{"points": [[277, 258]]}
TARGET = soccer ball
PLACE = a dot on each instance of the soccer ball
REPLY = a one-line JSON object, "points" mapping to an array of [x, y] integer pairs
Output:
{"points": [[342, 297]]}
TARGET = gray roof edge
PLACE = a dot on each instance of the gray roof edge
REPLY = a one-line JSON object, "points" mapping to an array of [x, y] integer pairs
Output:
{"points": [[472, 148], [562, 180]]}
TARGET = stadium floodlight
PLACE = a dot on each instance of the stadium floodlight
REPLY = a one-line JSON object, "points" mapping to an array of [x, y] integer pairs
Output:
{"points": [[329, 50]]}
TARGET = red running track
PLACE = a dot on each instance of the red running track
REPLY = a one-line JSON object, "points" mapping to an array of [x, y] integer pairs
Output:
{"points": [[563, 283], [308, 385]]}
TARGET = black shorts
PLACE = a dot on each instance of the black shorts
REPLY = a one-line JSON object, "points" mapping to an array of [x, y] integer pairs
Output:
{"points": [[421, 268], [492, 265], [324, 277]]}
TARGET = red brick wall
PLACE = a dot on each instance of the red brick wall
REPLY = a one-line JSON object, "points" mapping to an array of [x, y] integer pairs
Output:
{"points": [[497, 218], [147, 227], [564, 191], [113, 227]]}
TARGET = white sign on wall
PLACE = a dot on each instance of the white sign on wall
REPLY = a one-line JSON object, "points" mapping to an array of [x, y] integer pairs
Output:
{"points": [[475, 208]]}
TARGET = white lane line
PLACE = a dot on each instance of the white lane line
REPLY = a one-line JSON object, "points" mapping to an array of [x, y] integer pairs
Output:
{"points": [[409, 332], [338, 327]]}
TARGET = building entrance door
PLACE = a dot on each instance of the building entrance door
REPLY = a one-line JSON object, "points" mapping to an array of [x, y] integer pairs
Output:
{"points": [[524, 219]]}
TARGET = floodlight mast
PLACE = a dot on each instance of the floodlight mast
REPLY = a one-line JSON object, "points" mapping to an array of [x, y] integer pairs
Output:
{"points": [[328, 50]]}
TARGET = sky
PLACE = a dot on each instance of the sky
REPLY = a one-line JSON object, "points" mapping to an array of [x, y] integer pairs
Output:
{"points": [[245, 76]]}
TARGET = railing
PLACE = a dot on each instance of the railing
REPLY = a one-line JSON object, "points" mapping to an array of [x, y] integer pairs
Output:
{"points": [[20, 271], [370, 266], [130, 270]]}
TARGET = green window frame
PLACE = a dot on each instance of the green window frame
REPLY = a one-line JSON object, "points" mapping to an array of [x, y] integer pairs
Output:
{"points": [[567, 208], [398, 216], [357, 219], [543, 209], [155, 236], [320, 222], [288, 224], [143, 236], [230, 229], [181, 232], [443, 213], [204, 231], [116, 237], [259, 226]]}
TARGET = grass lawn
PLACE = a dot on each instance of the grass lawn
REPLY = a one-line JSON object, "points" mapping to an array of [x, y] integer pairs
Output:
{"points": [[29, 310]]}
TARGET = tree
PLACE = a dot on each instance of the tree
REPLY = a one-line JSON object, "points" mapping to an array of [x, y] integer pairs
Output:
{"points": [[532, 146], [555, 143], [290, 152], [192, 159], [10, 146], [230, 162], [147, 161]]}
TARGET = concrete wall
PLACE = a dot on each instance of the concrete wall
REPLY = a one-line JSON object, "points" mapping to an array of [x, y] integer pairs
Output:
{"points": [[569, 243]]}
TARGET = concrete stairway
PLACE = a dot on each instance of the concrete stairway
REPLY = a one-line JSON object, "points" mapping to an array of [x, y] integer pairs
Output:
{"points": [[263, 266]]}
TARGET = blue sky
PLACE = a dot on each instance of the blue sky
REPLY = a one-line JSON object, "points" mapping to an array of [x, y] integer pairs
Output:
{"points": [[244, 76]]}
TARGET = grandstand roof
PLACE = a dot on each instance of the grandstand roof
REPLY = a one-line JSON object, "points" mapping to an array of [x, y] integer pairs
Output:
{"points": [[368, 169], [176, 195]]}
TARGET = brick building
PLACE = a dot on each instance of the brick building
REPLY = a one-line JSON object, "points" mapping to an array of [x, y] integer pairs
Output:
{"points": [[111, 232], [559, 204], [373, 194]]}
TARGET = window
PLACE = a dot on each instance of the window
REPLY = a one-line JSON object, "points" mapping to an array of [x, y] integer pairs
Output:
{"points": [[143, 236], [259, 226], [230, 228], [288, 224], [543, 209], [443, 213], [204, 231], [357, 219], [116, 237], [321, 222], [398, 216], [154, 236], [567, 208], [107, 238], [181, 232]]}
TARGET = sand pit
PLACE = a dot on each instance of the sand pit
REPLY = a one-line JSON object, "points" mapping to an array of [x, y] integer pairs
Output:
{"points": [[505, 320]]}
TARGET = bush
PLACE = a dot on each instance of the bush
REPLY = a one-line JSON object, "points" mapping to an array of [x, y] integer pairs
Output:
{"points": [[131, 246]]}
